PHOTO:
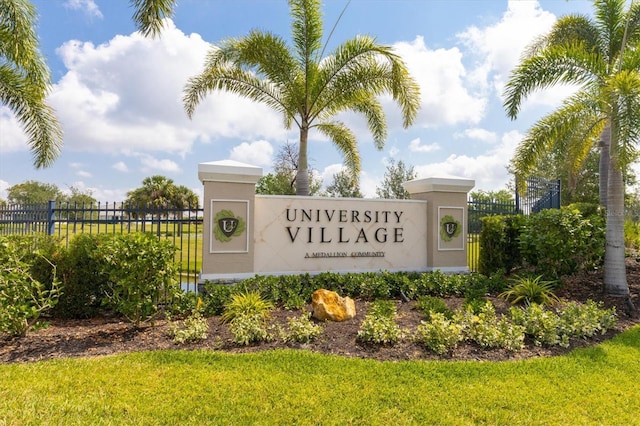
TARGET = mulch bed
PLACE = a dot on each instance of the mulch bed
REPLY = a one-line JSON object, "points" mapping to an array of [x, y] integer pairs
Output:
{"points": [[110, 335]]}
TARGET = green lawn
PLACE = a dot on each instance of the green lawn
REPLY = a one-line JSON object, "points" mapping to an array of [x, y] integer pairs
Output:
{"points": [[593, 386]]}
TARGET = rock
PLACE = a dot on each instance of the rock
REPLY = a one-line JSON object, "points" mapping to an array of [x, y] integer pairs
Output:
{"points": [[328, 305]]}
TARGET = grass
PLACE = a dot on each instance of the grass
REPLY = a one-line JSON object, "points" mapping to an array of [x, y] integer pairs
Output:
{"points": [[596, 385]]}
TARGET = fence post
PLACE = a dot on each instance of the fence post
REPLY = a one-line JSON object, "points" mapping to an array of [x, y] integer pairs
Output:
{"points": [[51, 216]]}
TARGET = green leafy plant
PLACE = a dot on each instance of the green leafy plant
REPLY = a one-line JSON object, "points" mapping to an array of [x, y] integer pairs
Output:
{"points": [[191, 329], [557, 242], [246, 304], [440, 334], [22, 298], [301, 329], [142, 271], [527, 290], [586, 319], [248, 328], [379, 326], [216, 296], [429, 305], [489, 331], [83, 279], [540, 324]]}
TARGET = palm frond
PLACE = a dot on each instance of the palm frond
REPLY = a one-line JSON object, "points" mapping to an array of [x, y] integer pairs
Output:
{"points": [[573, 126], [345, 141], [556, 65], [149, 15], [234, 80], [19, 42], [306, 30], [44, 134]]}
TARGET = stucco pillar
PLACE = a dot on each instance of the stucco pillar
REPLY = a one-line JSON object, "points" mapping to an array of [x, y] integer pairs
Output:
{"points": [[446, 220], [229, 198]]}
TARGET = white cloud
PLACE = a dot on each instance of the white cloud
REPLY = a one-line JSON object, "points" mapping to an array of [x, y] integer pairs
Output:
{"points": [[482, 135], [120, 166], [441, 75], [13, 137], [499, 47], [328, 172], [258, 153], [415, 146], [152, 164], [104, 105], [488, 170], [4, 185], [89, 7]]}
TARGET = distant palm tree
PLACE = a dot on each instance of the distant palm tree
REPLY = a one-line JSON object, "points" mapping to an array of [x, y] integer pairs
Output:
{"points": [[602, 56], [308, 89], [25, 80]]}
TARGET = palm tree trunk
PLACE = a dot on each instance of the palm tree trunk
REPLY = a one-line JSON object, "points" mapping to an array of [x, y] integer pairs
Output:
{"points": [[302, 175], [615, 274], [605, 143]]}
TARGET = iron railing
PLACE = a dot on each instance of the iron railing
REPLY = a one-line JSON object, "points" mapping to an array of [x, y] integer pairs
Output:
{"points": [[181, 226]]}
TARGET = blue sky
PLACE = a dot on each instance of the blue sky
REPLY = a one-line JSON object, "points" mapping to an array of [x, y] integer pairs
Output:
{"points": [[118, 95]]}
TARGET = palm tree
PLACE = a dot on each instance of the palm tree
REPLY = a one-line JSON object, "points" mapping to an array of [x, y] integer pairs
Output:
{"points": [[601, 56], [308, 89], [25, 80]]}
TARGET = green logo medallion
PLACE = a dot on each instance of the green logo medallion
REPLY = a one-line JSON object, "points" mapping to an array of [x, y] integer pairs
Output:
{"points": [[227, 226], [449, 228]]}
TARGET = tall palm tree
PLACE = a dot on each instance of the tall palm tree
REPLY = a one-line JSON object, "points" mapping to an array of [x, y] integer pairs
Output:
{"points": [[308, 89], [25, 80], [601, 55]]}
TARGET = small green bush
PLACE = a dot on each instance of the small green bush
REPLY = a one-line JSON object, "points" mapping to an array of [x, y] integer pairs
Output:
{"points": [[573, 320], [248, 328], [528, 290], [557, 242], [246, 304], [379, 326], [84, 282], [440, 334], [429, 305], [143, 274], [500, 243], [216, 296], [586, 320], [301, 329], [489, 331], [22, 298], [540, 324], [192, 329]]}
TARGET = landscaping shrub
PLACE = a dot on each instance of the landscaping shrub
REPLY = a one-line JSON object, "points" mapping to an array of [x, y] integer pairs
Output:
{"points": [[429, 305], [22, 298], [84, 281], [248, 328], [500, 243], [379, 326], [489, 331], [246, 304], [301, 329], [440, 334], [142, 274], [191, 329], [216, 296], [573, 320], [527, 290], [559, 242]]}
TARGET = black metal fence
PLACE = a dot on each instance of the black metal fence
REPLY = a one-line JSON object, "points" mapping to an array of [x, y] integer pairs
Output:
{"points": [[540, 194], [183, 227]]}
